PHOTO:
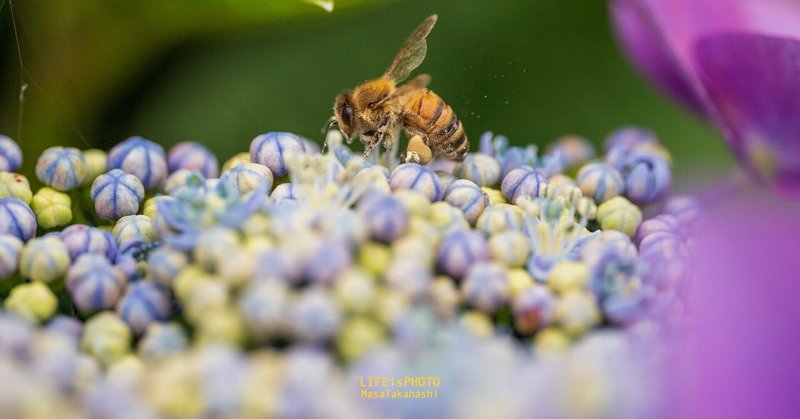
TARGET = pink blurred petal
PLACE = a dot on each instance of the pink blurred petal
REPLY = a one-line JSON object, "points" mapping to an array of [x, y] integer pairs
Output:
{"points": [[744, 312], [754, 83], [753, 102], [660, 35], [648, 48]]}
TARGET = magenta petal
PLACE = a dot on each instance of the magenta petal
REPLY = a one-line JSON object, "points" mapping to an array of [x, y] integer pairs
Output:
{"points": [[660, 36], [745, 312], [769, 17], [640, 34], [753, 82]]}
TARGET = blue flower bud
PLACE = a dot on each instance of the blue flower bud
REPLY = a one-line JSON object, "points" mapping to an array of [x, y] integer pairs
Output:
{"points": [[10, 248], [668, 245], [94, 283], [143, 303], [116, 194], [647, 177], [600, 181], [661, 223], [510, 248], [193, 156], [17, 219], [612, 272], [687, 210], [44, 259], [165, 263], [479, 168], [446, 218], [141, 158], [61, 168], [486, 286], [572, 150], [521, 182], [161, 340], [66, 326], [608, 239], [665, 261], [278, 265], [81, 239], [315, 316], [265, 307], [500, 217], [188, 186], [127, 264], [624, 308], [468, 197], [272, 148], [386, 217], [326, 260], [621, 142], [459, 250], [249, 176], [416, 178], [132, 230], [10, 155]]}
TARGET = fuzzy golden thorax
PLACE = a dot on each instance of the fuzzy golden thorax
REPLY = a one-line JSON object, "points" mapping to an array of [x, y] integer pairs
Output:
{"points": [[362, 110]]}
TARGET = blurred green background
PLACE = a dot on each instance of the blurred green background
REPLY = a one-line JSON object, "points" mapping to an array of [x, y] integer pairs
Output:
{"points": [[221, 72]]}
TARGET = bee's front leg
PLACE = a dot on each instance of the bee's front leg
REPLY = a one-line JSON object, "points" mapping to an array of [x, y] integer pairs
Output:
{"points": [[385, 130], [370, 141]]}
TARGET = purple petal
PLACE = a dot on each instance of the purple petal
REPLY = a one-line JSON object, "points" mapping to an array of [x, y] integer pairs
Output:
{"points": [[770, 17], [754, 83], [649, 49], [660, 35], [183, 241], [175, 213], [744, 312]]}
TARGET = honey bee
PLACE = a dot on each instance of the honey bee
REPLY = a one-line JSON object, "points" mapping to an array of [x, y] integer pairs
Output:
{"points": [[376, 110]]}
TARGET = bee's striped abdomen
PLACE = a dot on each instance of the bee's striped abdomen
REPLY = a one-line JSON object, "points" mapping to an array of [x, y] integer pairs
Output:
{"points": [[425, 112]]}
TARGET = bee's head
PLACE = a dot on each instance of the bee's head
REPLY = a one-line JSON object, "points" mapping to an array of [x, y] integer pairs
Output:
{"points": [[345, 114]]}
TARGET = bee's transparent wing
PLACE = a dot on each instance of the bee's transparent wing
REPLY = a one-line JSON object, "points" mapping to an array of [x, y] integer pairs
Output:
{"points": [[419, 82], [412, 52]]}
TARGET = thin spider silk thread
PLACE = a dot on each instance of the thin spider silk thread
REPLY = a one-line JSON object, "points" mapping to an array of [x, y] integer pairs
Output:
{"points": [[26, 80]]}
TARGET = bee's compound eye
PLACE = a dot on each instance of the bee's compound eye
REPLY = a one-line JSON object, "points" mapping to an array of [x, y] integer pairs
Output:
{"points": [[347, 113]]}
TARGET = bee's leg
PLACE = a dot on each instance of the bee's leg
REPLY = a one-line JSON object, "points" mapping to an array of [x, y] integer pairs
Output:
{"points": [[389, 139], [385, 121], [385, 130], [370, 142]]}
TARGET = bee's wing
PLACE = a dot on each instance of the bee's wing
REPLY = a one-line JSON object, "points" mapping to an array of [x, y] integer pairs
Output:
{"points": [[419, 82], [412, 52]]}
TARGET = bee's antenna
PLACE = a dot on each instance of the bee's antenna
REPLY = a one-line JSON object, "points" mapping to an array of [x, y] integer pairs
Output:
{"points": [[325, 129]]}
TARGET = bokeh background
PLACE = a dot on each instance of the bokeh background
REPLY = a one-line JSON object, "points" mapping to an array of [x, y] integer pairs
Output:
{"points": [[222, 72]]}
